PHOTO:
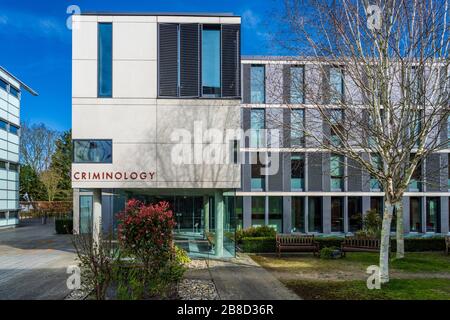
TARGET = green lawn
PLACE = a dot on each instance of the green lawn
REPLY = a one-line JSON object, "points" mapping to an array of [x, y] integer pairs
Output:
{"points": [[396, 289], [418, 276], [413, 262]]}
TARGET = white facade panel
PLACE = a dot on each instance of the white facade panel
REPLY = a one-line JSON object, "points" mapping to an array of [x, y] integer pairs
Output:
{"points": [[84, 41], [129, 41], [134, 79]]}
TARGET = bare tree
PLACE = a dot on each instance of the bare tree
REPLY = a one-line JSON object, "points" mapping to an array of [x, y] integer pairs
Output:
{"points": [[37, 146], [50, 180], [376, 87]]}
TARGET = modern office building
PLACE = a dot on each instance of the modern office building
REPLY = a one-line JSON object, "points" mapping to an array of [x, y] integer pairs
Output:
{"points": [[10, 95], [314, 191], [159, 113], [146, 88]]}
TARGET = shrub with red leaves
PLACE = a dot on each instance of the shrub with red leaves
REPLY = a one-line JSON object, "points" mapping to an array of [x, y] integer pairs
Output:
{"points": [[145, 231]]}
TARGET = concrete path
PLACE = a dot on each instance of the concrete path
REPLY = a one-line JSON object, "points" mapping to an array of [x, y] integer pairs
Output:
{"points": [[33, 262], [242, 279]]}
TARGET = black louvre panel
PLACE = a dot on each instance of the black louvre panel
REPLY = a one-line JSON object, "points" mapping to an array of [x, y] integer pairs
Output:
{"points": [[231, 61], [189, 66], [168, 56]]}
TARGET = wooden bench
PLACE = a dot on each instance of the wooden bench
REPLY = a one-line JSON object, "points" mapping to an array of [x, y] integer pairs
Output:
{"points": [[297, 243], [447, 245], [351, 244]]}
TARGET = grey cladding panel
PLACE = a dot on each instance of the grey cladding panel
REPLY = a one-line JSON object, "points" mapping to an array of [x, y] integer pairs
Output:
{"points": [[433, 170], [246, 83], [315, 171], [354, 176]]}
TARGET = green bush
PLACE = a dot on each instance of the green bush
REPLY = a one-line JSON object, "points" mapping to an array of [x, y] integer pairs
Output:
{"points": [[181, 256], [328, 253], [258, 244], [421, 244], [256, 232], [328, 242], [64, 226]]}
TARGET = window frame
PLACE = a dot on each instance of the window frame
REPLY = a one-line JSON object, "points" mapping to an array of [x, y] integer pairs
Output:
{"points": [[263, 66], [91, 140], [99, 95]]}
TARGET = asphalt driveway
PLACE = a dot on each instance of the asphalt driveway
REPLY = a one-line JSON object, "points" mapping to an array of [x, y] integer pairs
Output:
{"points": [[33, 262]]}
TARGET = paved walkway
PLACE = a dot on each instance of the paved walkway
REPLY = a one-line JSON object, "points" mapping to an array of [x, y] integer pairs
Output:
{"points": [[33, 262], [242, 279]]}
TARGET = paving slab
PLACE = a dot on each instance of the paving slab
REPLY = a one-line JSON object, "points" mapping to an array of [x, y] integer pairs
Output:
{"points": [[33, 262]]}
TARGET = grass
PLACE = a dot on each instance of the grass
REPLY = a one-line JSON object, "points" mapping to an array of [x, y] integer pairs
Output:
{"points": [[413, 262], [396, 289], [418, 276]]}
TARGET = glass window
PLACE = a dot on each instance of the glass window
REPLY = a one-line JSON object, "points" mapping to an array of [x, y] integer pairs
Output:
{"points": [[297, 128], [3, 165], [96, 151], [433, 215], [257, 174], [415, 184], [257, 123], [336, 130], [239, 213], [355, 213], [415, 214], [3, 85], [337, 214], [2, 215], [376, 203], [13, 215], [336, 85], [297, 171], [297, 84], [3, 125], [276, 213], [315, 214], [258, 211], [14, 91], [337, 172], [298, 214], [211, 60], [378, 165], [13, 167], [13, 129], [257, 84], [448, 130], [105, 60], [85, 214]]}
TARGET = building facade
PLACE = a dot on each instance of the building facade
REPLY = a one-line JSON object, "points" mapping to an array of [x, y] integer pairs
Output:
{"points": [[314, 191], [159, 113], [146, 89], [10, 95]]}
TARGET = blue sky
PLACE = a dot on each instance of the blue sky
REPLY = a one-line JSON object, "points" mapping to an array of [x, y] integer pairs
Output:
{"points": [[38, 44]]}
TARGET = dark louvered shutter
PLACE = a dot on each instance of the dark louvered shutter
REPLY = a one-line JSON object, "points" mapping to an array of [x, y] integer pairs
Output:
{"points": [[433, 170], [189, 60], [246, 83], [231, 61], [168, 56]]}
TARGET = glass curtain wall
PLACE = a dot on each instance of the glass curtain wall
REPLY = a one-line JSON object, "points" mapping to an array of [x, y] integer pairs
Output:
{"points": [[415, 214], [337, 214], [298, 214], [276, 213], [315, 214], [433, 216]]}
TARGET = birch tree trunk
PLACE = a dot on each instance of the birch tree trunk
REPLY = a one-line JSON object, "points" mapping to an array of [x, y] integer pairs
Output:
{"points": [[385, 240], [400, 232]]}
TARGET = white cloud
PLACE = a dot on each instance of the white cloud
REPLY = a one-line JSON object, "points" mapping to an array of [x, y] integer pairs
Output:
{"points": [[31, 25], [251, 20]]}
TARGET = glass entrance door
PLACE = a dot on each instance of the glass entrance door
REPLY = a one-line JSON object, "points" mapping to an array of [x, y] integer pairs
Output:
{"points": [[188, 213]]}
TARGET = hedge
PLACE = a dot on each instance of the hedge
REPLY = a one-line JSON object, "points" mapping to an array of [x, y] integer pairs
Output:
{"points": [[258, 244], [268, 244], [64, 226]]}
